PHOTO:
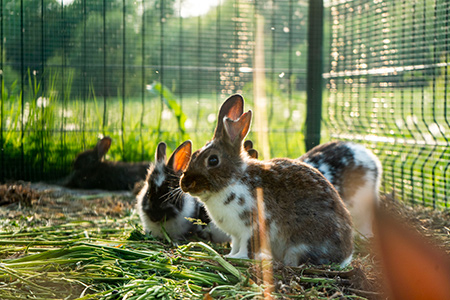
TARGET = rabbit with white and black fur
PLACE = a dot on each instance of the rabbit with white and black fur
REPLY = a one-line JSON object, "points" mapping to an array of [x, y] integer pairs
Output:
{"points": [[161, 203], [305, 218]]}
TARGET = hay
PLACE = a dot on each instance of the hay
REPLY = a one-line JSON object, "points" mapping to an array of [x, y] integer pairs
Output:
{"points": [[90, 246]]}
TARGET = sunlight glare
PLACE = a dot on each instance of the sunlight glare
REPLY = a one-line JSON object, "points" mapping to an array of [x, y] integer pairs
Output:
{"points": [[194, 8], [65, 2]]}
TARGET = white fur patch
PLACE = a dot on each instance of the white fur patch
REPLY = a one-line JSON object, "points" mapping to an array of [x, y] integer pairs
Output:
{"points": [[347, 261], [324, 168], [159, 168], [365, 157], [227, 217], [293, 254]]}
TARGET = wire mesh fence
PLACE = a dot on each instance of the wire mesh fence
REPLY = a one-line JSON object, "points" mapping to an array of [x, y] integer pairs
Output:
{"points": [[387, 84], [141, 72], [150, 70]]}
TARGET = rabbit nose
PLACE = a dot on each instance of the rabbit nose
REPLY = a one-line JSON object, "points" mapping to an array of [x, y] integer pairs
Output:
{"points": [[187, 185], [155, 219]]}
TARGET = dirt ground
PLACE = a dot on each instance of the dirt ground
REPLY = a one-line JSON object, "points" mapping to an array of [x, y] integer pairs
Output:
{"points": [[38, 204], [46, 204]]}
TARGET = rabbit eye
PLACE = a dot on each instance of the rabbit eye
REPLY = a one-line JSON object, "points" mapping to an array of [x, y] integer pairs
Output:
{"points": [[213, 161]]}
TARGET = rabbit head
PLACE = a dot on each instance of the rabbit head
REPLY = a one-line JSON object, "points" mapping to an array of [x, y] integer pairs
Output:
{"points": [[91, 158], [87, 165], [213, 166], [162, 192]]}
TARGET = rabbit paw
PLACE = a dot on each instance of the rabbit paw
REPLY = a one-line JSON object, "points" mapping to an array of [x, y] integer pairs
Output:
{"points": [[237, 255]]}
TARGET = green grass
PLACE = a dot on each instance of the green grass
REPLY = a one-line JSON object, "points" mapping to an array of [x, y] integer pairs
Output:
{"points": [[112, 259], [44, 130], [406, 128]]}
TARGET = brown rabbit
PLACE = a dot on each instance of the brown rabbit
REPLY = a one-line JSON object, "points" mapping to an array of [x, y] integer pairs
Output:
{"points": [[305, 218], [353, 170], [91, 171]]}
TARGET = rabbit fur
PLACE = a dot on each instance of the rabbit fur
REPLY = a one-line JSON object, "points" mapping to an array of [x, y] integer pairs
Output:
{"points": [[304, 217], [355, 172], [161, 203], [91, 171]]}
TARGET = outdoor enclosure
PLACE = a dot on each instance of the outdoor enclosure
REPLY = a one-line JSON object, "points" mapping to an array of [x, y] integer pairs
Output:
{"points": [[145, 71], [387, 87]]}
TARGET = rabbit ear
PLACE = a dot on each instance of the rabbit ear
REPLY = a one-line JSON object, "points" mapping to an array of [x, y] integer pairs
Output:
{"points": [[238, 129], [248, 144], [160, 154], [253, 153], [102, 146], [180, 157], [412, 266], [232, 108]]}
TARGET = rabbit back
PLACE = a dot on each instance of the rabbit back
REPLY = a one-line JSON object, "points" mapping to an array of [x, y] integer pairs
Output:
{"points": [[91, 171], [355, 172], [113, 176]]}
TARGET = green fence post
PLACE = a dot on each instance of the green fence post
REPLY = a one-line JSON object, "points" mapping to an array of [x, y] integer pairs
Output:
{"points": [[314, 74]]}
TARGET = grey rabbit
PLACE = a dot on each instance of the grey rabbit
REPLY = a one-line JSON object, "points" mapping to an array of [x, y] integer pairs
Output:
{"points": [[91, 171], [161, 203], [283, 201]]}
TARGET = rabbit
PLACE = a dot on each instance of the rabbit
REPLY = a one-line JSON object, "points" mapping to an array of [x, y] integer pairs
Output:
{"points": [[91, 171], [306, 220], [355, 172], [162, 203]]}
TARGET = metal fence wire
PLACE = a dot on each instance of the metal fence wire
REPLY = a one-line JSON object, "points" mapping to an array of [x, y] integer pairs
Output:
{"points": [[387, 83], [143, 71]]}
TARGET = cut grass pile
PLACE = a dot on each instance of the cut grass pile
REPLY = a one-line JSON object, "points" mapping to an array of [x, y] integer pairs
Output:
{"points": [[101, 253], [93, 260], [107, 259], [89, 245]]}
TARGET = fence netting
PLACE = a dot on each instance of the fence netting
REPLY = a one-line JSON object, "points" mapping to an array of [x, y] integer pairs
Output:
{"points": [[143, 71], [387, 87]]}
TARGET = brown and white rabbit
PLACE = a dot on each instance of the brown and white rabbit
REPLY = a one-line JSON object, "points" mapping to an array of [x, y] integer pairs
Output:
{"points": [[355, 172], [304, 217], [161, 202], [91, 171]]}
